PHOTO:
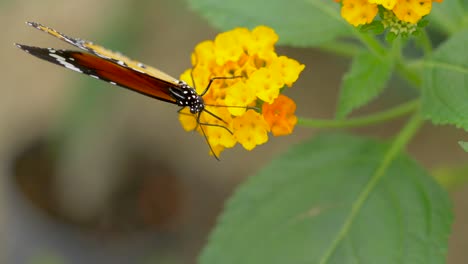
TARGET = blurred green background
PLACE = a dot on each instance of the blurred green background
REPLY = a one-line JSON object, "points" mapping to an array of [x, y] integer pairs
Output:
{"points": [[96, 174]]}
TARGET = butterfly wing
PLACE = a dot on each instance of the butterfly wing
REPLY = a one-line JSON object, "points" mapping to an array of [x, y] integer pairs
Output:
{"points": [[106, 54], [107, 70]]}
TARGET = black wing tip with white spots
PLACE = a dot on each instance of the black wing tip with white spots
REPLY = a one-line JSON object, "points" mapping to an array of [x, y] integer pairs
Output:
{"points": [[24, 47], [27, 48], [56, 56]]}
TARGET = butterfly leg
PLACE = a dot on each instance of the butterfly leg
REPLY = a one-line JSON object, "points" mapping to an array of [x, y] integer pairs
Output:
{"points": [[213, 79], [206, 138], [206, 124]]}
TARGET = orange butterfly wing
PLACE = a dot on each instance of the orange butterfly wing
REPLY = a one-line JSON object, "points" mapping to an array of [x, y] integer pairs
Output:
{"points": [[106, 54], [106, 70]]}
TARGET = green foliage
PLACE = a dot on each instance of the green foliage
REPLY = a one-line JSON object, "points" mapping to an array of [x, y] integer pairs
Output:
{"points": [[365, 80], [450, 16], [376, 27], [390, 37], [338, 198], [298, 22], [324, 202], [445, 86], [464, 145]]}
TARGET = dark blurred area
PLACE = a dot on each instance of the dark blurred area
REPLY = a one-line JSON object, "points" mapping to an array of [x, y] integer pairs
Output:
{"points": [[92, 173]]}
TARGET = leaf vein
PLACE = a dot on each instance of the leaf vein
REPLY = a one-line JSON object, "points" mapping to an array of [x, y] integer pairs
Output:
{"points": [[400, 141]]}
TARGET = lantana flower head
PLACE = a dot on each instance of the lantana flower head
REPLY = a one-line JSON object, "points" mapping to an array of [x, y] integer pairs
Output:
{"points": [[255, 76], [401, 16]]}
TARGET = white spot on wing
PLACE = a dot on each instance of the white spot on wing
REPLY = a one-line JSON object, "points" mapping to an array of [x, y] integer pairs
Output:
{"points": [[66, 64]]}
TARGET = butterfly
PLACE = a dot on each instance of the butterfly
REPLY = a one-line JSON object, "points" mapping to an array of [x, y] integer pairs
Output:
{"points": [[117, 69]]}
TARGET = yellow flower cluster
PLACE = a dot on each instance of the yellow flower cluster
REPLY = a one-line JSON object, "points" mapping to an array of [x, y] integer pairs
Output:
{"points": [[360, 12], [248, 103]]}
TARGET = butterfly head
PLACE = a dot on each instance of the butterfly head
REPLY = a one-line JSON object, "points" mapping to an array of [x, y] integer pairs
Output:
{"points": [[186, 96]]}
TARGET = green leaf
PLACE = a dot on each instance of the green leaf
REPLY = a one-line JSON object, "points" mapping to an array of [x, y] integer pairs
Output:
{"points": [[312, 206], [375, 27], [464, 145], [390, 37], [423, 22], [445, 83], [450, 16], [365, 80], [298, 22]]}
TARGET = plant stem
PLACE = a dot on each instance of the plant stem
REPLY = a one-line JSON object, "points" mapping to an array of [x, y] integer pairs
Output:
{"points": [[344, 49], [402, 139], [371, 42], [413, 77], [376, 118], [425, 42], [396, 49]]}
